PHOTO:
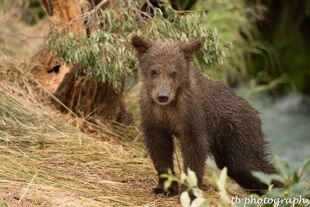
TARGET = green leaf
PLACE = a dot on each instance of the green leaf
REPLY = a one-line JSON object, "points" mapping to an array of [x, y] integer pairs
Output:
{"points": [[277, 177], [282, 167], [164, 176], [305, 168], [275, 193], [213, 179], [197, 192], [167, 184], [191, 178], [185, 199], [221, 185], [296, 177], [268, 178], [296, 190], [263, 177]]}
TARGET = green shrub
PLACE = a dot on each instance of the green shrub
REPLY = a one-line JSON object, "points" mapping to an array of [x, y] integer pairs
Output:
{"points": [[296, 182], [107, 54], [296, 186]]}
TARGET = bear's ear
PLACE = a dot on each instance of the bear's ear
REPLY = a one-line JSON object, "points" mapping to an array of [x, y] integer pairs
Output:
{"points": [[190, 48], [140, 44]]}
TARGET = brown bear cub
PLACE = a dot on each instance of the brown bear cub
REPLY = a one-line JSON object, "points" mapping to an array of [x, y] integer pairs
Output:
{"points": [[207, 117]]}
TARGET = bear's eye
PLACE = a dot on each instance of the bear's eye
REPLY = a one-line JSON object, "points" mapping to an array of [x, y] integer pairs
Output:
{"points": [[173, 75], [153, 73]]}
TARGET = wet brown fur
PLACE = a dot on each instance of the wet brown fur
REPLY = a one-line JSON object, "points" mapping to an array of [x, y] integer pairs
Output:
{"points": [[206, 116]]}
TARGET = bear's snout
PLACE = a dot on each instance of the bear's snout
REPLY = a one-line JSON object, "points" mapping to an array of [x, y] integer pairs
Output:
{"points": [[162, 99], [163, 93]]}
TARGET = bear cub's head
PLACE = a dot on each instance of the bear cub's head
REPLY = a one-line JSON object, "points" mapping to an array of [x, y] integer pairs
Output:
{"points": [[163, 66]]}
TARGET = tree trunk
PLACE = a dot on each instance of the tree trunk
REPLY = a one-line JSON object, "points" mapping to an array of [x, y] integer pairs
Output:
{"points": [[82, 95]]}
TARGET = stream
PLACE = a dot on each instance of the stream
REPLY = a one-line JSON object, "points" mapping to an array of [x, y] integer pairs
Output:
{"points": [[286, 124]]}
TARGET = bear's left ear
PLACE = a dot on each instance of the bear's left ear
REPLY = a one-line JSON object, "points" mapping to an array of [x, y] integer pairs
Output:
{"points": [[140, 44], [190, 48]]}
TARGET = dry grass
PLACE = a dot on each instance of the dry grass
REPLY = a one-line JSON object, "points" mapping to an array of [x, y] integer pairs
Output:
{"points": [[45, 160]]}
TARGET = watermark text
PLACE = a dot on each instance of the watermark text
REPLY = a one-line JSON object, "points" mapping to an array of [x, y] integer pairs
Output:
{"points": [[294, 201]]}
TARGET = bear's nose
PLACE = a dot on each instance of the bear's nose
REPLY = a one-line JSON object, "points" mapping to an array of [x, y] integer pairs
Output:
{"points": [[162, 99]]}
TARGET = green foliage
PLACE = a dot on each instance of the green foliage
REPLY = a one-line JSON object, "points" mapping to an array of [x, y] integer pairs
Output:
{"points": [[189, 181], [100, 56], [107, 55], [233, 22], [296, 182], [270, 42], [293, 46], [296, 187], [220, 182], [282, 41]]}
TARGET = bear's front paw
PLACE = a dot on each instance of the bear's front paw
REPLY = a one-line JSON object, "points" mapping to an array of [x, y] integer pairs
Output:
{"points": [[171, 191]]}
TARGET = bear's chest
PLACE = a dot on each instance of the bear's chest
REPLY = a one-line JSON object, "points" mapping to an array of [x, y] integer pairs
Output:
{"points": [[169, 117]]}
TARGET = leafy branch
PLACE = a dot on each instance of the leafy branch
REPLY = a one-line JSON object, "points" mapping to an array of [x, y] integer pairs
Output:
{"points": [[106, 54]]}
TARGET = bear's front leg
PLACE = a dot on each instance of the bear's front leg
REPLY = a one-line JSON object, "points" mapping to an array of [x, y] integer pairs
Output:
{"points": [[159, 144], [194, 147]]}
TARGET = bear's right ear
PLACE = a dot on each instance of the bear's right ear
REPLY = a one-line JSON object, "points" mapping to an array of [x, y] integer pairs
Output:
{"points": [[140, 44]]}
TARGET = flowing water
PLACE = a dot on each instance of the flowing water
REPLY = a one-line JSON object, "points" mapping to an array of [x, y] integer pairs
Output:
{"points": [[286, 124]]}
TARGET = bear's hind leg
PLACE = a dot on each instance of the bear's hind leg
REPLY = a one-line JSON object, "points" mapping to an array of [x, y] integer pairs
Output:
{"points": [[242, 157]]}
